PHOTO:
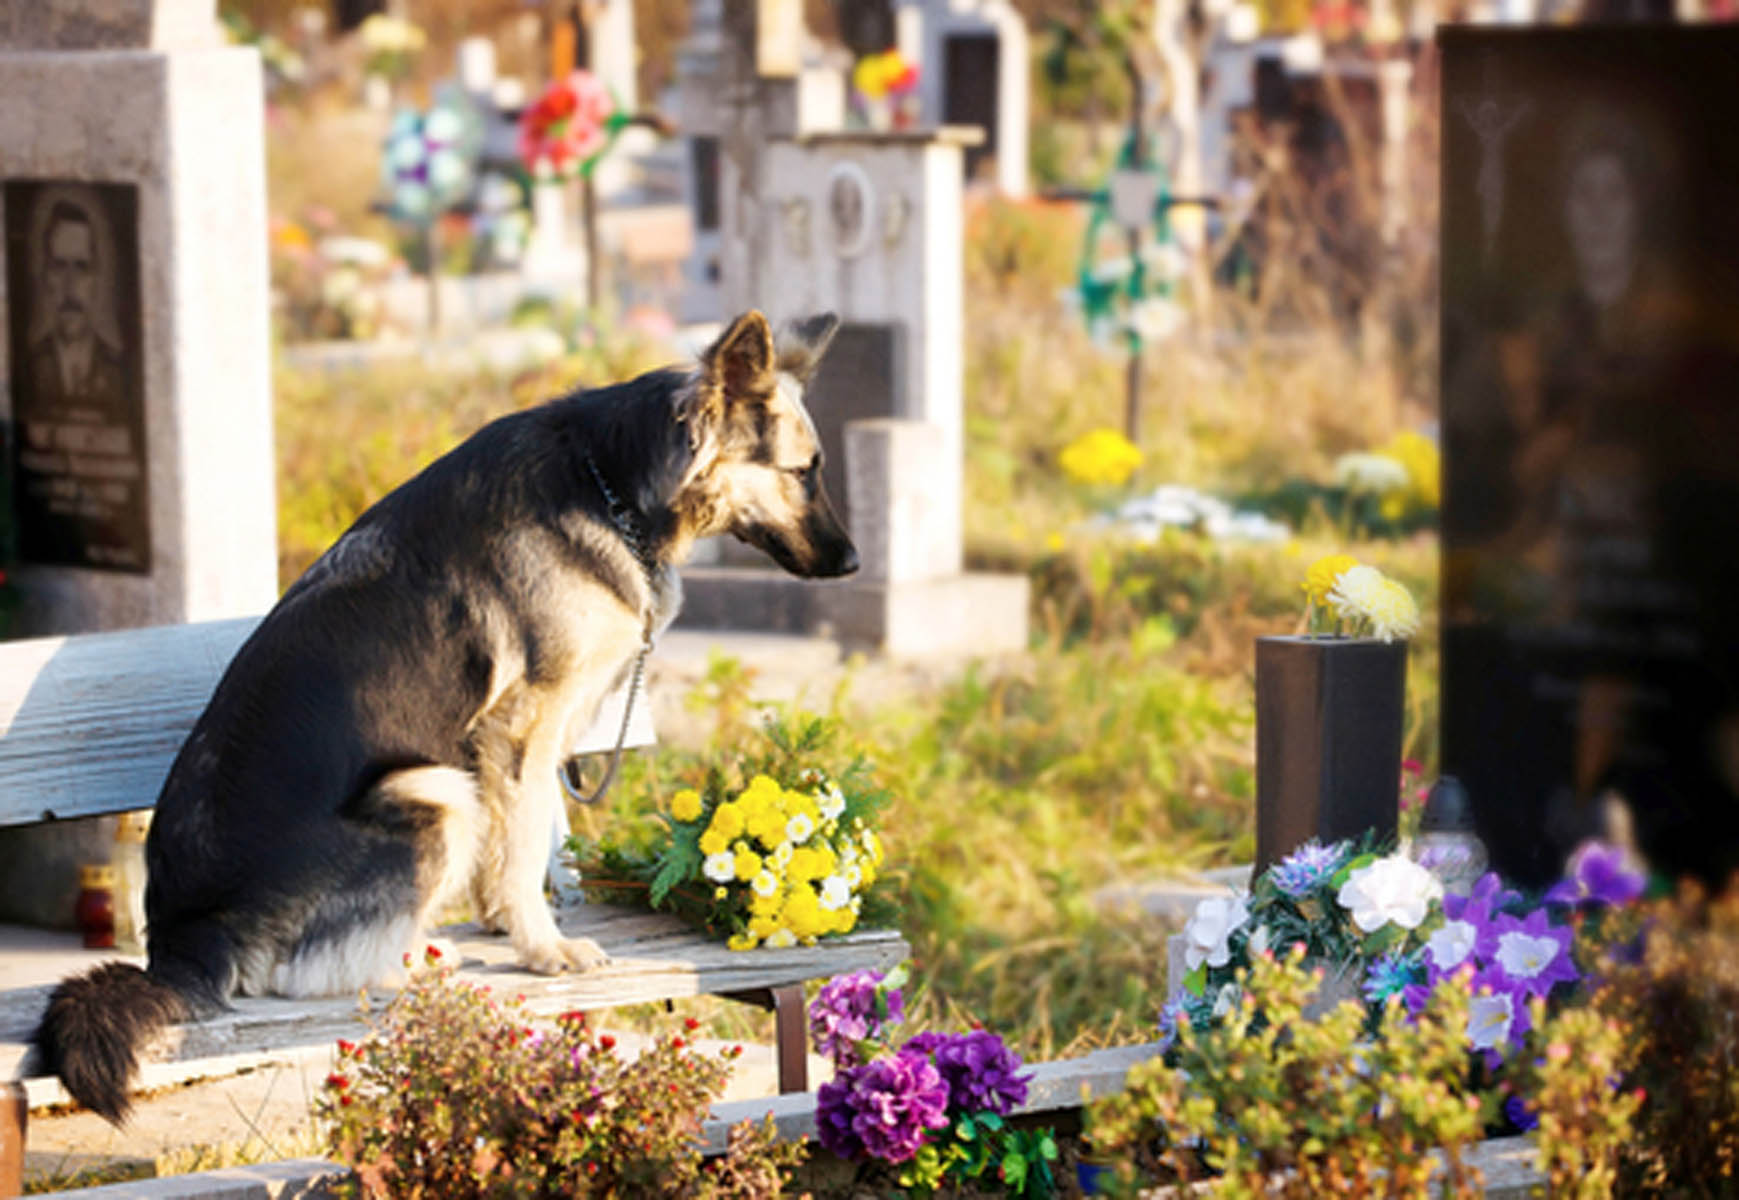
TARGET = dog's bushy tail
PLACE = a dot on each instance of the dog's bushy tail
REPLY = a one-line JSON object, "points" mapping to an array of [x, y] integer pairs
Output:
{"points": [[95, 1026]]}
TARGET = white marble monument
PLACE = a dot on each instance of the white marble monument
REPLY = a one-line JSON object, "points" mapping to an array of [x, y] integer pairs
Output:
{"points": [[135, 355]]}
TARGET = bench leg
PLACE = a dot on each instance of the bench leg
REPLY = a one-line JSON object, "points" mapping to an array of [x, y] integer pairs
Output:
{"points": [[790, 1031], [791, 1035], [14, 1115]]}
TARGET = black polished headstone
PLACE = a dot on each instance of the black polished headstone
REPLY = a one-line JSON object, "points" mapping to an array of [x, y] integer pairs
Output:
{"points": [[79, 494], [1590, 382], [861, 377], [970, 83]]}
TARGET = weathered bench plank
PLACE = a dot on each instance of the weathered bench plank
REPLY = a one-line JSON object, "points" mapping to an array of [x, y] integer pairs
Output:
{"points": [[90, 724], [654, 957]]}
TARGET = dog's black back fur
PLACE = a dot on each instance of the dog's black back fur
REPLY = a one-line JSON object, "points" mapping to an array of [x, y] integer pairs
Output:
{"points": [[349, 705]]}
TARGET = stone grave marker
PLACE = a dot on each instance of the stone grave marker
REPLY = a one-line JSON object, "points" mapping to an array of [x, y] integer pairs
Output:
{"points": [[735, 90], [974, 70], [134, 340], [1590, 258], [869, 226]]}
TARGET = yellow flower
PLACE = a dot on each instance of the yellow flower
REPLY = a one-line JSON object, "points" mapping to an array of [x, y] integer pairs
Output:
{"points": [[802, 913], [781, 939], [763, 925], [766, 897], [768, 828], [1419, 455], [1102, 456], [713, 842], [685, 805], [727, 819], [1053, 541], [748, 865], [1323, 574], [1365, 595], [763, 786], [719, 893], [806, 864], [742, 941]]}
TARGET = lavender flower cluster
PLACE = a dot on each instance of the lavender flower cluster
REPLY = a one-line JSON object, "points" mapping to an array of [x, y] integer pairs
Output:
{"points": [[851, 1009], [886, 1105]]}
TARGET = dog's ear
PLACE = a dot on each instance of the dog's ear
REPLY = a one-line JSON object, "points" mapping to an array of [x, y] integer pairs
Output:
{"points": [[742, 362], [801, 343]]}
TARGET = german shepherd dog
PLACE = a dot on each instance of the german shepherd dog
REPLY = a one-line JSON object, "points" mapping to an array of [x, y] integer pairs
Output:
{"points": [[388, 739]]}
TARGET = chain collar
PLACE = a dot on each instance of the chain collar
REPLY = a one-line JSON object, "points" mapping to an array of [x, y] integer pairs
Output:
{"points": [[622, 517]]}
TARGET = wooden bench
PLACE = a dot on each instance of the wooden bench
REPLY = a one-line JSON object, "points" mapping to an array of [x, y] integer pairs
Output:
{"points": [[90, 724]]}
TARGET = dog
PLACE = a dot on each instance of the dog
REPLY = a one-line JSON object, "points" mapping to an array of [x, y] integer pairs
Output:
{"points": [[388, 740]]}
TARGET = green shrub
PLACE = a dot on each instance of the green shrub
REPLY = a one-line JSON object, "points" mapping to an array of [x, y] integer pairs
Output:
{"points": [[1679, 1008], [458, 1095], [1275, 1104]]}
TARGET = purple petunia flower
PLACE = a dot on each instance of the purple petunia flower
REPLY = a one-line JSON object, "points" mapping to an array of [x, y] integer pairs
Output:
{"points": [[883, 1108], [1489, 896], [1307, 867], [982, 1073], [833, 1117], [1532, 954], [845, 1012], [1598, 874], [1390, 975], [1520, 1115]]}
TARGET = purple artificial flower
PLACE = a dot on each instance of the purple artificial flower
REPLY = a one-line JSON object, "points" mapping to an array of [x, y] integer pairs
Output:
{"points": [[833, 1117], [982, 1073], [1390, 975], [1598, 874], [883, 1108], [845, 1012], [1520, 1115], [1172, 1014], [1498, 1015], [1307, 867], [1489, 896], [1532, 954]]}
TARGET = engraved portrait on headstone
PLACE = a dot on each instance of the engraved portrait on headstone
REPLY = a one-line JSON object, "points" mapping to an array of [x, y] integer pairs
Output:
{"points": [[79, 480], [850, 199], [1592, 450]]}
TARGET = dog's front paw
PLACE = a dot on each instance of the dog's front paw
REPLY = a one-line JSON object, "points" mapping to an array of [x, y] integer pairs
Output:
{"points": [[552, 958]]}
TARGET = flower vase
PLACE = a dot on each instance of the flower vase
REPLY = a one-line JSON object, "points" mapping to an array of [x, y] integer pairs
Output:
{"points": [[1328, 740]]}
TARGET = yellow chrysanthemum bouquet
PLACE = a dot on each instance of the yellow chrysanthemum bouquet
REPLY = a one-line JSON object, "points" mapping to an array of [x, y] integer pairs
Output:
{"points": [[779, 852], [1344, 596]]}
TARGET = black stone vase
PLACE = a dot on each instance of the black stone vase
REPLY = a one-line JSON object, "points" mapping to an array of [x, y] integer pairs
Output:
{"points": [[1328, 740]]}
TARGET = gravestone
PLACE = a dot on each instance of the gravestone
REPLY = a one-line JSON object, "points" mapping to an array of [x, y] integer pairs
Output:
{"points": [[973, 70], [733, 93], [869, 226], [1590, 346], [134, 341]]}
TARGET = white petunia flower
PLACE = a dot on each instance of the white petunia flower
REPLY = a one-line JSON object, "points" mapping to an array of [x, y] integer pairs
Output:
{"points": [[1394, 890], [1208, 934], [1523, 956], [1489, 1019], [720, 867], [1450, 945], [798, 828], [781, 939], [764, 883], [835, 893]]}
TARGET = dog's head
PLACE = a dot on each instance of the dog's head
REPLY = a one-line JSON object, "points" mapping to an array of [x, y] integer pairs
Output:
{"points": [[756, 471]]}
